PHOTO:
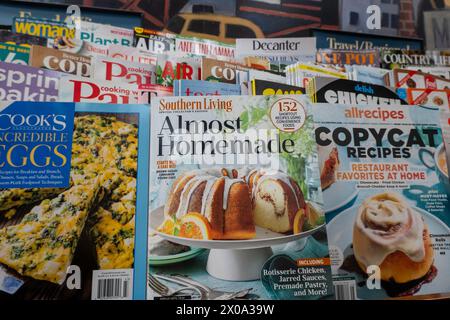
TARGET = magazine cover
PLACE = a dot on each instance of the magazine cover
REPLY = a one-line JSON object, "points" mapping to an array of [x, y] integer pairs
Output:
{"points": [[122, 71], [156, 42], [102, 34], [235, 195], [21, 39], [171, 67], [24, 83], [150, 91], [12, 53], [443, 72], [268, 88], [223, 71], [204, 47], [56, 60], [86, 231], [335, 57], [341, 91], [395, 59], [370, 75], [45, 28], [131, 54], [79, 89], [444, 160], [403, 78], [204, 88], [429, 97], [77, 46], [386, 200], [300, 74]]}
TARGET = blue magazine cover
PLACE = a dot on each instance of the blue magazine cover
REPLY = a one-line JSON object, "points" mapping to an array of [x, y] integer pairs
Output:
{"points": [[85, 239]]}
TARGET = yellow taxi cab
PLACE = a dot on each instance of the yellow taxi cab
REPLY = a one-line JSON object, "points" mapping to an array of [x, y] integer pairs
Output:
{"points": [[214, 27]]}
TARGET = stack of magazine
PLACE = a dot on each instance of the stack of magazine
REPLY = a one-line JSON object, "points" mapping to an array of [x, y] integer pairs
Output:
{"points": [[139, 164]]}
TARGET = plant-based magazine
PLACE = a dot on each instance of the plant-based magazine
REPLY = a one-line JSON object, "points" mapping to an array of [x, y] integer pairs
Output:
{"points": [[12, 53], [266, 88], [118, 70], [335, 57], [56, 60], [21, 39], [386, 192], [153, 41], [24, 83], [235, 195], [204, 88], [79, 89], [88, 239], [104, 35], [341, 91]]}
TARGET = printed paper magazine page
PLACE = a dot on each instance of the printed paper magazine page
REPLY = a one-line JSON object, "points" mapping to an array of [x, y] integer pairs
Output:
{"points": [[86, 238], [235, 196], [386, 192], [12, 53]]}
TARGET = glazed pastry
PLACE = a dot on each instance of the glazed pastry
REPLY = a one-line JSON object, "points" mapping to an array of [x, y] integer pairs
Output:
{"points": [[390, 234], [329, 167]]}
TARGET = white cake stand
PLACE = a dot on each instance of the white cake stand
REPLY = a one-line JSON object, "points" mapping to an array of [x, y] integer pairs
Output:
{"points": [[233, 260]]}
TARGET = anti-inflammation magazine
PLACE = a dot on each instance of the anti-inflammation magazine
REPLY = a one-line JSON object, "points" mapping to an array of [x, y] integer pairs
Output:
{"points": [[386, 193], [235, 196]]}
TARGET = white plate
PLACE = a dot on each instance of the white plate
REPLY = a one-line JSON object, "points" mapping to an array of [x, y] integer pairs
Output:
{"points": [[264, 238], [338, 195], [340, 233]]}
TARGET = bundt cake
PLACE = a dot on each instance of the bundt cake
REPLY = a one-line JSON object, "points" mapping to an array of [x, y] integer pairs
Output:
{"points": [[234, 201]]}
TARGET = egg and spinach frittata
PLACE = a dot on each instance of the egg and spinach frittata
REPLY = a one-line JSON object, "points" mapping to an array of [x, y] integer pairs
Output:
{"points": [[102, 195]]}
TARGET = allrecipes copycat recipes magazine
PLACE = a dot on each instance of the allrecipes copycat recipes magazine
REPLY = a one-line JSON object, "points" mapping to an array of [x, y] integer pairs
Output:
{"points": [[73, 200], [238, 176], [386, 190]]}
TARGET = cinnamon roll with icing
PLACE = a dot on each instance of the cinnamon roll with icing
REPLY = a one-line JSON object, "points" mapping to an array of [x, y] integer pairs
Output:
{"points": [[390, 234]]}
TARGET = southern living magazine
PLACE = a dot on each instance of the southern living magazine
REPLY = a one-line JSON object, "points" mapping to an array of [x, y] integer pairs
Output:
{"points": [[24, 83], [104, 35], [79, 89], [21, 39], [235, 184], [386, 195], [56, 60], [156, 42], [12, 53], [342, 91], [118, 70], [87, 231]]}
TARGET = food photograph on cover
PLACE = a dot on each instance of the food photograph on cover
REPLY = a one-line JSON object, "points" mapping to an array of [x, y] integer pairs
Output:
{"points": [[242, 150]]}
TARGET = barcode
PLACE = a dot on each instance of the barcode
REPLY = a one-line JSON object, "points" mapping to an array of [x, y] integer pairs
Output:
{"points": [[112, 288], [345, 290], [112, 284]]}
